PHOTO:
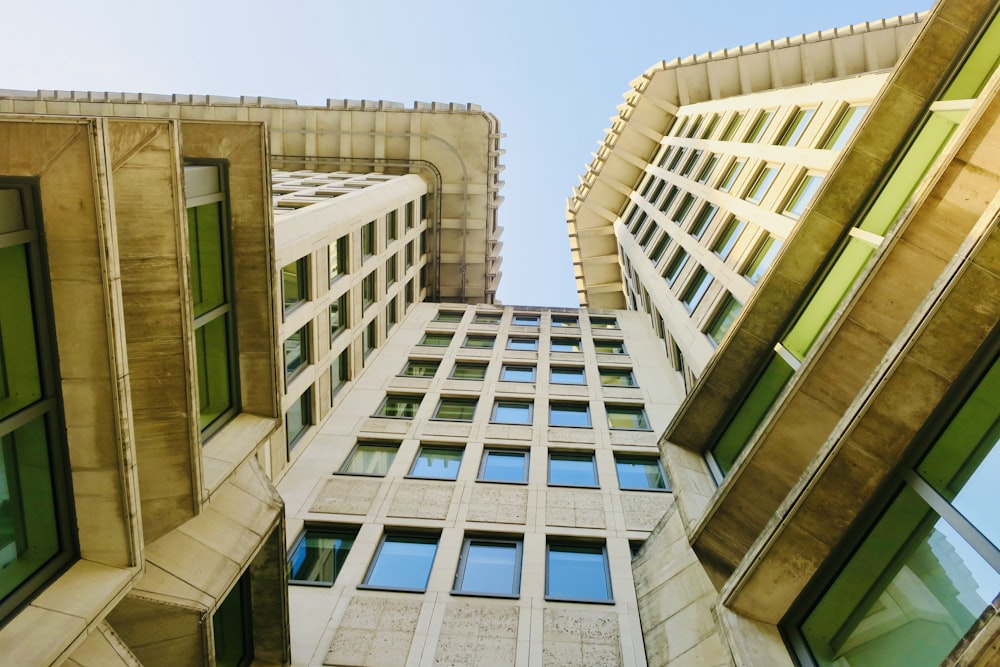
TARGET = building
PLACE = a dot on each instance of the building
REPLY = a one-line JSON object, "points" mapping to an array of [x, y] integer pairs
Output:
{"points": [[260, 406]]}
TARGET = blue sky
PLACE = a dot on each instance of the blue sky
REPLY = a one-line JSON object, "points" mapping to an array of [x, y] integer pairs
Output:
{"points": [[552, 71]]}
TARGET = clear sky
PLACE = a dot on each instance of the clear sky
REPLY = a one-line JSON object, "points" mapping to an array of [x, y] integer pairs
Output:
{"points": [[552, 71]]}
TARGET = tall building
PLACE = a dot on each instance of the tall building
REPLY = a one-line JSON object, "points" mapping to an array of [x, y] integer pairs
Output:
{"points": [[259, 404]]}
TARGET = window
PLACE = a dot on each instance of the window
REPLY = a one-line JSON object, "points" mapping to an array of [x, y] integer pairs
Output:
{"points": [[368, 240], [511, 412], [436, 339], [517, 373], [35, 540], [408, 256], [603, 323], [449, 316], [627, 417], [759, 127], [408, 292], [370, 458], [732, 126], [526, 320], [678, 156], [565, 321], [661, 247], [391, 274], [338, 316], [420, 368], [710, 126], [520, 343], [572, 469], [724, 319], [437, 462], [675, 266], [569, 414], [730, 176], [609, 347], [844, 128], [489, 567], [617, 377], [408, 211], [761, 184], [318, 555], [466, 371], [640, 473], [708, 168], [294, 276], [340, 371], [762, 259], [796, 126], [231, 626], [504, 465], [391, 226], [456, 409], [402, 562], [481, 342], [296, 349], [391, 314], [298, 418], [487, 318], [701, 222], [568, 375], [669, 199], [696, 288], [727, 239], [691, 161], [802, 195], [338, 258], [566, 345], [368, 290], [683, 208], [648, 236], [399, 406], [369, 338]]}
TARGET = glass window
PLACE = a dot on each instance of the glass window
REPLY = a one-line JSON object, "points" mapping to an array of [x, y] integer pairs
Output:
{"points": [[437, 339], [710, 126], [489, 567], [318, 555], [609, 347], [572, 469], [368, 240], [683, 208], [391, 274], [520, 343], [504, 465], [691, 161], [628, 417], [762, 259], [577, 573], [569, 414], [338, 258], [482, 342], [296, 349], [761, 184], [568, 375], [708, 168], [512, 412], [617, 377], [565, 321], [796, 126], [696, 288], [759, 127], [369, 338], [702, 221], [603, 323], [526, 320], [730, 176], [566, 345], [724, 319], [517, 373], [659, 249], [678, 156], [732, 126], [420, 368], [408, 292], [844, 128], [640, 473], [391, 226], [456, 409], [449, 316], [468, 371], [391, 314], [338, 316], [294, 276], [368, 290], [648, 236], [402, 562], [675, 266], [802, 195], [408, 211], [400, 406], [727, 239], [408, 256], [298, 418], [340, 371], [437, 462], [370, 458], [232, 628], [669, 199], [487, 318]]}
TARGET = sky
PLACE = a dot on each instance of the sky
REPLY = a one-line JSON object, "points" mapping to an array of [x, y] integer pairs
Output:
{"points": [[552, 71]]}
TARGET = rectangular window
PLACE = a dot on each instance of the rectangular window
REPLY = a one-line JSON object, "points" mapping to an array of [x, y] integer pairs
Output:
{"points": [[569, 414], [408, 292], [486, 318], [489, 567], [802, 195], [669, 199], [232, 627], [480, 342], [627, 417], [683, 208], [729, 178], [391, 273], [640, 473], [617, 377], [370, 458], [408, 211], [519, 343], [732, 126], [317, 556], [369, 338], [696, 288], [391, 314], [796, 126], [504, 465], [565, 321], [338, 258], [572, 469], [724, 319], [762, 259], [294, 276], [437, 462], [700, 224], [648, 236], [526, 320], [340, 371], [761, 184], [391, 226], [567, 375], [368, 290], [399, 406], [296, 348], [456, 409], [842, 131], [298, 418], [449, 316], [437, 339], [402, 562], [678, 156], [691, 161], [759, 127], [408, 255], [710, 126], [517, 373], [603, 323], [660, 248], [511, 412], [708, 168], [467, 371], [609, 347], [368, 240], [566, 345], [725, 242], [338, 316], [420, 368], [675, 266]]}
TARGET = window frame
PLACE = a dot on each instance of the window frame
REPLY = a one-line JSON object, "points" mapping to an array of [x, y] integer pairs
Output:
{"points": [[416, 363], [519, 340], [464, 559], [531, 320], [472, 341], [337, 259], [635, 459], [455, 401], [624, 409], [566, 405], [341, 303], [468, 364], [578, 372], [619, 346], [301, 282], [319, 530], [380, 412], [305, 352], [514, 367], [402, 537], [575, 345], [604, 320], [571, 546], [619, 372], [579, 456], [484, 462], [412, 474], [304, 403], [504, 403], [358, 446], [565, 321], [438, 336], [487, 318]]}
